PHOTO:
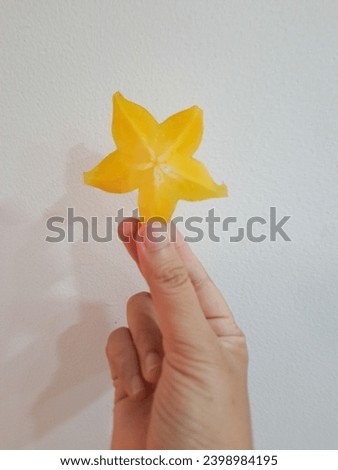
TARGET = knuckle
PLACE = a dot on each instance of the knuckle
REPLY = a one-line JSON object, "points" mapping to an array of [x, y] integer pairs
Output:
{"points": [[119, 361], [240, 334], [172, 276], [200, 281], [137, 298], [113, 339], [145, 337]]}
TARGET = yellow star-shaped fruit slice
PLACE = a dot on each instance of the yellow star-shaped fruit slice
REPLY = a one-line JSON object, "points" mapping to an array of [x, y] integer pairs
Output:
{"points": [[155, 158]]}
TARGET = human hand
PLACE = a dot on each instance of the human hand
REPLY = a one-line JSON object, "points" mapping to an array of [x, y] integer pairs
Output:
{"points": [[180, 369]]}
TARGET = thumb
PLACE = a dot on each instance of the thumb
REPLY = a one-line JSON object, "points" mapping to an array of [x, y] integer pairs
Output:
{"points": [[181, 319]]}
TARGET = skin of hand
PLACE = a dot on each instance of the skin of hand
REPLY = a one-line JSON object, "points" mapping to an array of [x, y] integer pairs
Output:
{"points": [[180, 368]]}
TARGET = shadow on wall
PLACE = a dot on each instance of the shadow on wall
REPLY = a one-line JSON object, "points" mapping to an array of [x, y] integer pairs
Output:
{"points": [[80, 357], [56, 336]]}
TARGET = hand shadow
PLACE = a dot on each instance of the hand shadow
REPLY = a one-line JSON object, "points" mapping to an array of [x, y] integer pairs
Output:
{"points": [[63, 322], [80, 352]]}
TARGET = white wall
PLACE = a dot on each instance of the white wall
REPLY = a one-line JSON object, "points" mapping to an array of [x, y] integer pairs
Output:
{"points": [[265, 75]]}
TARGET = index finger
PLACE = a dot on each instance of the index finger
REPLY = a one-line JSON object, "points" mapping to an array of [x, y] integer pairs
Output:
{"points": [[180, 314], [212, 302]]}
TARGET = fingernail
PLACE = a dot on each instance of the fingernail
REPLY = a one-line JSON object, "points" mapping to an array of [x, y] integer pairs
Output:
{"points": [[127, 229], [136, 386], [156, 235]]}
